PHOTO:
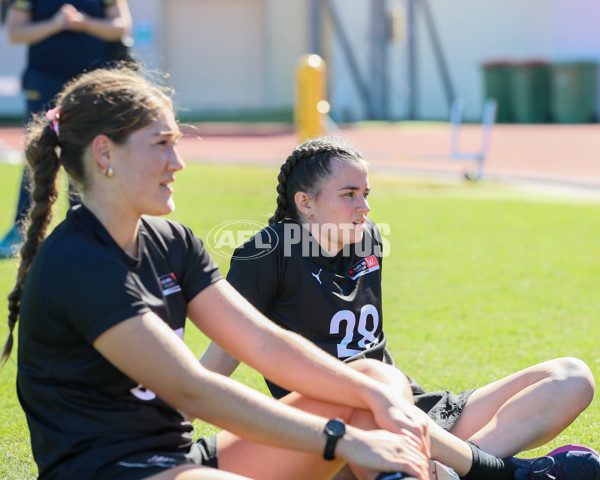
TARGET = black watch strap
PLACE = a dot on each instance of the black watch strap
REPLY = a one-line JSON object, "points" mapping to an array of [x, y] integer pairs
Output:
{"points": [[334, 430]]}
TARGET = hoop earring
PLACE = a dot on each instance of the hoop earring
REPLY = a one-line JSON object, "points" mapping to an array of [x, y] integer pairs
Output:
{"points": [[108, 173]]}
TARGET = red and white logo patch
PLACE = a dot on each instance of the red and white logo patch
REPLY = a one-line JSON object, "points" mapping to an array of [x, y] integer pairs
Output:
{"points": [[169, 284], [366, 265]]}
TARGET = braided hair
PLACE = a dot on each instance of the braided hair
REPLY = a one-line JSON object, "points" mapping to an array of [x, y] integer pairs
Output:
{"points": [[115, 102], [305, 169]]}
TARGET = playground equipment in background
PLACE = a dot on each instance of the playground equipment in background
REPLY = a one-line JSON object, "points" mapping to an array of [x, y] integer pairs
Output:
{"points": [[488, 119], [311, 114]]}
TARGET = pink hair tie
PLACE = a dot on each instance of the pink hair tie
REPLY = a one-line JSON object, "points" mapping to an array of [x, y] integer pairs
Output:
{"points": [[54, 115]]}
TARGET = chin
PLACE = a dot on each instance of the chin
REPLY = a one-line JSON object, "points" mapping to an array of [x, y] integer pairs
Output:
{"points": [[164, 209], [354, 237], [347, 234], [357, 237]]}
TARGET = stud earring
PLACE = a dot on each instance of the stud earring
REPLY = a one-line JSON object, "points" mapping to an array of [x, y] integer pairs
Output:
{"points": [[108, 173]]}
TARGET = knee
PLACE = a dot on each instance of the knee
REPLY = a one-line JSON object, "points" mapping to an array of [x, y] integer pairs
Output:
{"points": [[577, 377], [370, 367], [389, 375], [378, 370]]}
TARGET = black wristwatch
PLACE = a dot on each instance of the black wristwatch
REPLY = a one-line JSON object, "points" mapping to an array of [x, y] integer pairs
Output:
{"points": [[334, 430]]}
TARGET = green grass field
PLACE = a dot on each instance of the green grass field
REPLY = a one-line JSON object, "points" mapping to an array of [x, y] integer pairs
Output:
{"points": [[481, 281]]}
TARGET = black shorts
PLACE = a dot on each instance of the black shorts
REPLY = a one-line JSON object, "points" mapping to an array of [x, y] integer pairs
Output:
{"points": [[142, 465], [443, 407]]}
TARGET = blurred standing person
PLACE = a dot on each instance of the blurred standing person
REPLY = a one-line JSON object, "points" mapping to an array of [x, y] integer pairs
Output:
{"points": [[3, 10], [64, 39]]}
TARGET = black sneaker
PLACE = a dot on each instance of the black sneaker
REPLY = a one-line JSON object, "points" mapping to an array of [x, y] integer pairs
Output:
{"points": [[393, 476], [571, 462]]}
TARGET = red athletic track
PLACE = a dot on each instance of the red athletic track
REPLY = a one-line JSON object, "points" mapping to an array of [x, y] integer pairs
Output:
{"points": [[556, 154]]}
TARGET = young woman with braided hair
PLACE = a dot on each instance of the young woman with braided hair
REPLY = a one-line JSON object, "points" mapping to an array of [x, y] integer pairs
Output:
{"points": [[316, 270], [102, 372]]}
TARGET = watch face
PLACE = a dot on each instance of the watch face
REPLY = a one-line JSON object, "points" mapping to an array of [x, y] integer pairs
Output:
{"points": [[335, 427]]}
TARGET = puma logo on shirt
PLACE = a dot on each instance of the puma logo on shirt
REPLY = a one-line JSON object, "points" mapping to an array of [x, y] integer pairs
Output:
{"points": [[316, 275]]}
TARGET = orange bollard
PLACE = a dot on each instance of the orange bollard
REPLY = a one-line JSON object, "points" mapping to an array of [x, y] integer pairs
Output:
{"points": [[310, 103]]}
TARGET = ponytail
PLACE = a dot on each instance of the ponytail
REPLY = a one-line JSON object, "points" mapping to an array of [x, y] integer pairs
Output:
{"points": [[43, 163]]}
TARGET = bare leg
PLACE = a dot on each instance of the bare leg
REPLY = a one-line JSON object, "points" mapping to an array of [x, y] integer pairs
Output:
{"points": [[345, 473], [521, 411], [445, 447], [262, 462], [527, 408], [239, 458], [193, 472], [389, 376]]}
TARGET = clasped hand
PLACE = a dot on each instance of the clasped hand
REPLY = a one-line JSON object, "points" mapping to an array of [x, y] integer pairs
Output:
{"points": [[70, 18]]}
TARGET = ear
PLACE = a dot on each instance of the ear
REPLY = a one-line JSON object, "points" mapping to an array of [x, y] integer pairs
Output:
{"points": [[101, 150], [303, 202]]}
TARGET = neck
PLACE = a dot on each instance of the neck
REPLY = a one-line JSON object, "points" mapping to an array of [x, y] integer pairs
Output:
{"points": [[324, 242], [122, 228]]}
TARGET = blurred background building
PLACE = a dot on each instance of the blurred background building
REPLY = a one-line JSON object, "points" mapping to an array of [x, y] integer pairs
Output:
{"points": [[386, 59]]}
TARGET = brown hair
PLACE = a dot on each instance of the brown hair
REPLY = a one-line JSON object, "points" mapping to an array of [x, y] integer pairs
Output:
{"points": [[115, 102], [306, 168]]}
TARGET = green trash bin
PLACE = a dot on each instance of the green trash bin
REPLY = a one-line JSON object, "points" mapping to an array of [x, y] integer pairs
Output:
{"points": [[496, 81], [574, 90], [530, 91]]}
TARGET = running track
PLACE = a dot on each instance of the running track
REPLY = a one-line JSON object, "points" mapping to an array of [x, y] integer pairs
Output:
{"points": [[559, 155]]}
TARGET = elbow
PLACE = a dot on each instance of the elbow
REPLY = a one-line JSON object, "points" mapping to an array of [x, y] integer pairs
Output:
{"points": [[15, 38], [124, 26], [18, 35], [196, 396], [118, 35], [123, 31], [187, 398]]}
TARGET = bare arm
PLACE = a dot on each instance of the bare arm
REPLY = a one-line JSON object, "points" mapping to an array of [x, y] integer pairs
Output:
{"points": [[292, 361], [22, 30], [112, 28], [149, 352]]}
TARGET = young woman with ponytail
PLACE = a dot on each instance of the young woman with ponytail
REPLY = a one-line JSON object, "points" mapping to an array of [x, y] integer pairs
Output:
{"points": [[316, 270], [101, 304]]}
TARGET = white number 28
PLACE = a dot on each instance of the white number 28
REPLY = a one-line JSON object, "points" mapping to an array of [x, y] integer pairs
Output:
{"points": [[368, 336]]}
